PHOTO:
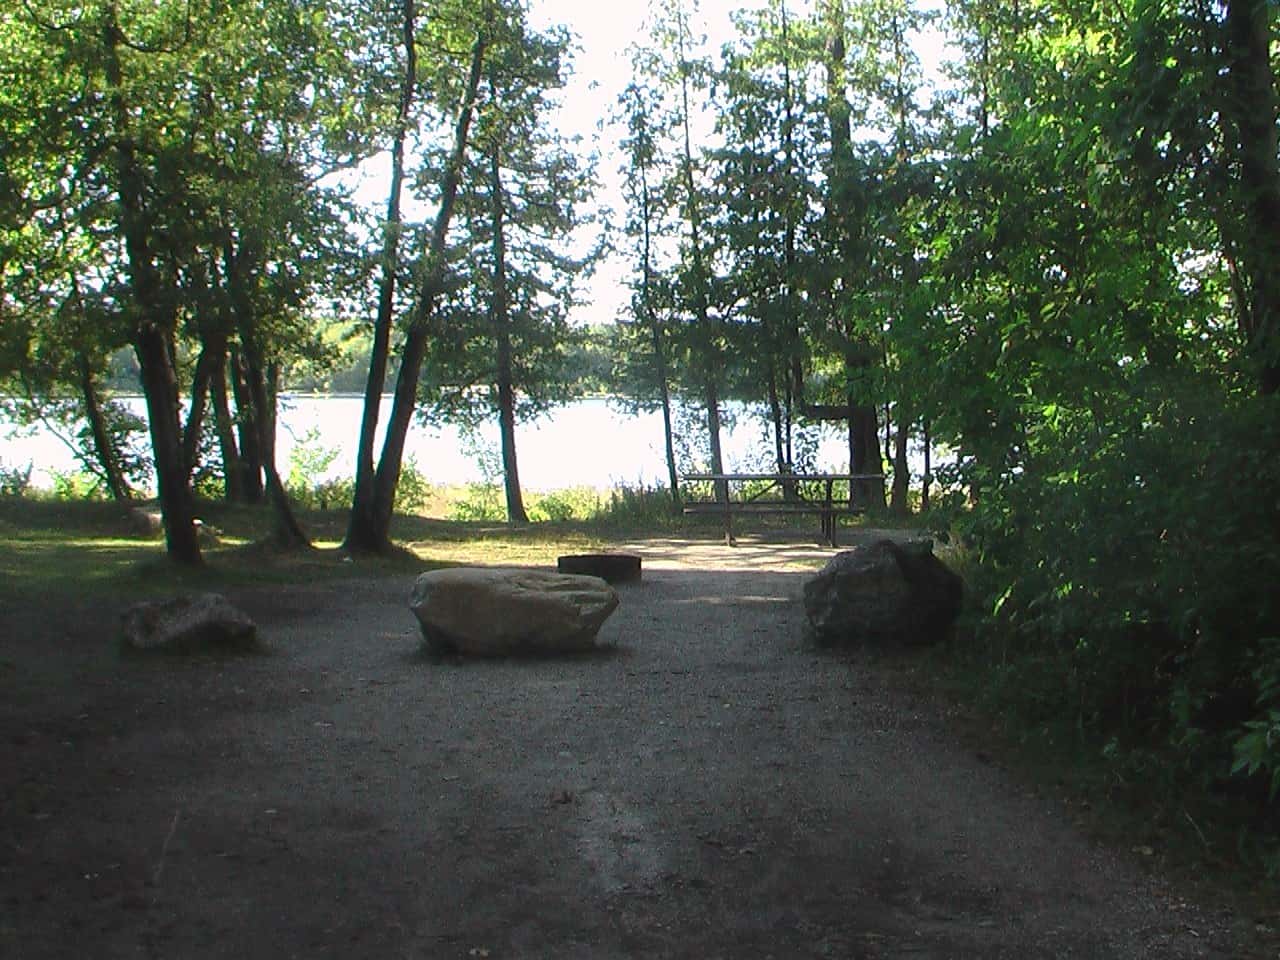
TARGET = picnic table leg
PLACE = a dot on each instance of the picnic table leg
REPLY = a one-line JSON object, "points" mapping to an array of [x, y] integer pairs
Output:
{"points": [[728, 526]]}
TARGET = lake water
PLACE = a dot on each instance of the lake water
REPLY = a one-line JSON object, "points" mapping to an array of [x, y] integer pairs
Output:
{"points": [[590, 442]]}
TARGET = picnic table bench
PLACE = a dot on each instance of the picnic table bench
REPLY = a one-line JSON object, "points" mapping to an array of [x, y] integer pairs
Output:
{"points": [[775, 493]]}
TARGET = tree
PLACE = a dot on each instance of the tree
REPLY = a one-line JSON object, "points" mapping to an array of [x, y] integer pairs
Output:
{"points": [[503, 325], [648, 299], [368, 529]]}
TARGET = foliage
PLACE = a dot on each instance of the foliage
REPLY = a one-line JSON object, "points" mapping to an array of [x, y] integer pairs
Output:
{"points": [[14, 481]]}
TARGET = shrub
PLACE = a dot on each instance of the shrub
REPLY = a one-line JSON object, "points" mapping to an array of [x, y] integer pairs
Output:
{"points": [[14, 481]]}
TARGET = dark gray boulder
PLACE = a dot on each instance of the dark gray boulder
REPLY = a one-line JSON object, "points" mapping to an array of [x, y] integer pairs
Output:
{"points": [[185, 624], [883, 593]]}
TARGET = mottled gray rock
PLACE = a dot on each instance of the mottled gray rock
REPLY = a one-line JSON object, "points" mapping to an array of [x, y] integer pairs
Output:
{"points": [[204, 621], [144, 521], [884, 592], [497, 612]]}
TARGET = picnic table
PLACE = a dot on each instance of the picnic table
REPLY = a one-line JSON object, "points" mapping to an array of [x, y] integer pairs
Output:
{"points": [[775, 493]]}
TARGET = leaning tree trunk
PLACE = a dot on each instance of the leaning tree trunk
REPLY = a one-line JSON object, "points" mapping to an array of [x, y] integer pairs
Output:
{"points": [[107, 455], [371, 529]]}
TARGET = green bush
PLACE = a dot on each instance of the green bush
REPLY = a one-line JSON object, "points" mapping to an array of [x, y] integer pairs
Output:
{"points": [[77, 485], [14, 481], [482, 501], [1122, 590], [413, 492]]}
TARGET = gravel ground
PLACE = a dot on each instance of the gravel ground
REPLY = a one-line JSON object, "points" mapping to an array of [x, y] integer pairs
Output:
{"points": [[707, 786]]}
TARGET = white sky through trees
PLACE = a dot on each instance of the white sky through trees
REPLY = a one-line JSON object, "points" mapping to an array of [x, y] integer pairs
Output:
{"points": [[603, 31]]}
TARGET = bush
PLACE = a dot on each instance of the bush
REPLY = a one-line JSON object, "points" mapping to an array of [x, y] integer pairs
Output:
{"points": [[14, 481], [641, 506], [77, 485], [480, 502], [1122, 591]]}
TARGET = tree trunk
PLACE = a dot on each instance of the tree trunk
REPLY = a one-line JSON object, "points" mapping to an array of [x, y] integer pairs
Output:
{"points": [[650, 315], [927, 480], [500, 317], [250, 459], [712, 395], [701, 297], [362, 524], [286, 532], [241, 270], [160, 389], [155, 322], [195, 416], [107, 455], [841, 207], [781, 435], [371, 529], [232, 468], [901, 471], [1251, 98]]}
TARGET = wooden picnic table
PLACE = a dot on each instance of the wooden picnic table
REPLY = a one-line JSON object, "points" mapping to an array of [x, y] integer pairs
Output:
{"points": [[777, 493]]}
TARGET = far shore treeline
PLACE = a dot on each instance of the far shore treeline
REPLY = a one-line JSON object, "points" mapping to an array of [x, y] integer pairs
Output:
{"points": [[1055, 254]]}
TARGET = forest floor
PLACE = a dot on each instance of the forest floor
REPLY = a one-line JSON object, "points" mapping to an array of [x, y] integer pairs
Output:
{"points": [[708, 785]]}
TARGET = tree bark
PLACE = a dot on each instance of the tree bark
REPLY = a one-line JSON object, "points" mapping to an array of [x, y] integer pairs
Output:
{"points": [[362, 524], [901, 471], [199, 399], [500, 317], [1251, 98], [708, 342], [241, 266], [927, 480], [107, 455], [250, 460], [650, 315], [232, 468], [841, 209], [155, 321]]}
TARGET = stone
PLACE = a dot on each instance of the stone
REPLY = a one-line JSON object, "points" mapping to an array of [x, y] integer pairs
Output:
{"points": [[492, 612], [885, 592], [610, 567], [186, 624], [144, 521]]}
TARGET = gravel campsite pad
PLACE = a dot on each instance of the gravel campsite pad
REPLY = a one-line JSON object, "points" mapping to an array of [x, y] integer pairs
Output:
{"points": [[708, 786]]}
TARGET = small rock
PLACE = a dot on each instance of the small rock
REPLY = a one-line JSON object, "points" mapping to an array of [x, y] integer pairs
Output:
{"points": [[205, 621]]}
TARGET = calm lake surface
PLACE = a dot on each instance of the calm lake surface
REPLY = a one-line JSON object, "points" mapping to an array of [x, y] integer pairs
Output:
{"points": [[590, 442]]}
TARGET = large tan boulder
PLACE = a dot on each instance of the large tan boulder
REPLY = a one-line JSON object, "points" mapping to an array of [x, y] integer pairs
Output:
{"points": [[493, 612]]}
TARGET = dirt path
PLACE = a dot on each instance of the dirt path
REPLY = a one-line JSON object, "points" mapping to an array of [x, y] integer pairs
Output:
{"points": [[709, 788]]}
